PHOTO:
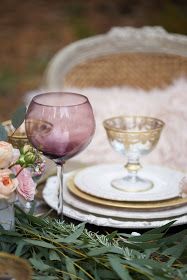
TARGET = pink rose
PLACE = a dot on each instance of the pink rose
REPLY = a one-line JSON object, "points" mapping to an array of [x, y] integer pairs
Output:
{"points": [[6, 154], [27, 186], [16, 155], [7, 184]]}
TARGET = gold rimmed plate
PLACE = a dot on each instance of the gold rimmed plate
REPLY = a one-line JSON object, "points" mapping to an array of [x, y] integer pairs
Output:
{"points": [[96, 180], [98, 214], [175, 202]]}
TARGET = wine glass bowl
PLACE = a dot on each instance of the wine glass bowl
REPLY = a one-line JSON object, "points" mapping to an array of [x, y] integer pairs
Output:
{"points": [[133, 136], [60, 124]]}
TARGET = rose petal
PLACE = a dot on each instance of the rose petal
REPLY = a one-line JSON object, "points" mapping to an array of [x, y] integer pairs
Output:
{"points": [[26, 186]]}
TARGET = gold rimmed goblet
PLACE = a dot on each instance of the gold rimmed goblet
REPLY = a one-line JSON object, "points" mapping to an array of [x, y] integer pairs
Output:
{"points": [[18, 137], [133, 136]]}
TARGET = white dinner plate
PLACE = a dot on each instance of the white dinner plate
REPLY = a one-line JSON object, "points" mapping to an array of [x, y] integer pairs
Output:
{"points": [[106, 216], [96, 181]]}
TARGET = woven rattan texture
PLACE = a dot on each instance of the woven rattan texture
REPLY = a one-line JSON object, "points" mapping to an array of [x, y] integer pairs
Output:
{"points": [[142, 70]]}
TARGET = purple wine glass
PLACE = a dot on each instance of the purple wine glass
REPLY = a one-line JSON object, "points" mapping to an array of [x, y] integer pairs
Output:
{"points": [[60, 124]]}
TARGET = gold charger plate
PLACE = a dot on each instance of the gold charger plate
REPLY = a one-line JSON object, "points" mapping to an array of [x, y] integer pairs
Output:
{"points": [[176, 202]]}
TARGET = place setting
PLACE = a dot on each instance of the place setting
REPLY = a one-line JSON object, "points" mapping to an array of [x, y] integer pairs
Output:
{"points": [[130, 196]]}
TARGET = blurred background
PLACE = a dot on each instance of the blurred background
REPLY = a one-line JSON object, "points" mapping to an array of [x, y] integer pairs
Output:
{"points": [[31, 32]]}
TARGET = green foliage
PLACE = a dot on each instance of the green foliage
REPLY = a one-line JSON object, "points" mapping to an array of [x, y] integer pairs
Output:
{"points": [[3, 133], [18, 116], [57, 250]]}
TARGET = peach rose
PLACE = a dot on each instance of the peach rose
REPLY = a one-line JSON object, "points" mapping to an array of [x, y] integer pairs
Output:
{"points": [[7, 184], [27, 186], [6, 154]]}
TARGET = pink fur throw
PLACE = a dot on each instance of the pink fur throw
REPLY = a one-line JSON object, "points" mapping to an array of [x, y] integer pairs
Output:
{"points": [[169, 105]]}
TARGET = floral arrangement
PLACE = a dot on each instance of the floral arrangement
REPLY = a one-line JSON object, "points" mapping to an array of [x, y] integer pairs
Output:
{"points": [[19, 170]]}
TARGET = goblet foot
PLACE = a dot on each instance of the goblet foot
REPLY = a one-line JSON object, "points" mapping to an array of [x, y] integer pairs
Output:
{"points": [[132, 184]]}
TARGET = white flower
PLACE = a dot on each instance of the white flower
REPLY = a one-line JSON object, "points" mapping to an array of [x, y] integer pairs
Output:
{"points": [[6, 154]]}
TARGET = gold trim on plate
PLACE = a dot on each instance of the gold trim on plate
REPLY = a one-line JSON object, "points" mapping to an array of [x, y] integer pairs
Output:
{"points": [[175, 202]]}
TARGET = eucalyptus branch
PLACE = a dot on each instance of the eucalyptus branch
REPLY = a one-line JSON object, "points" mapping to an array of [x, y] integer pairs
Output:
{"points": [[97, 252]]}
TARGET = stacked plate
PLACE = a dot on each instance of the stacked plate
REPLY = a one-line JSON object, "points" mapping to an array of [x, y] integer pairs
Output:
{"points": [[89, 196]]}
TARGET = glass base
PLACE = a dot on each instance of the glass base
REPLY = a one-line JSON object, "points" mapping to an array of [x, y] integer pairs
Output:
{"points": [[132, 184], [7, 215]]}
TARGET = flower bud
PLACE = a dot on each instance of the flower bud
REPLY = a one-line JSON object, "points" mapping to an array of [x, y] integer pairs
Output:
{"points": [[30, 158], [21, 160], [27, 148]]}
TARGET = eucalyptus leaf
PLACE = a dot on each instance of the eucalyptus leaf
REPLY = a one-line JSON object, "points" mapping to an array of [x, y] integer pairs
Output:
{"points": [[40, 243], [10, 233], [82, 275], [20, 245], [172, 238], [73, 237], [70, 268], [96, 275], [120, 270], [53, 256], [106, 274], [161, 229], [177, 250], [19, 116], [103, 250], [39, 264], [44, 277], [146, 237], [3, 133]]}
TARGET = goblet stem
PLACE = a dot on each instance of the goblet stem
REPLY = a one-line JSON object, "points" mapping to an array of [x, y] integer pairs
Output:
{"points": [[132, 166], [132, 182], [60, 189]]}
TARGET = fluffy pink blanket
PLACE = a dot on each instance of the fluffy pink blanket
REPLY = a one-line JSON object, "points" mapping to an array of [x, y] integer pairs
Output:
{"points": [[168, 104]]}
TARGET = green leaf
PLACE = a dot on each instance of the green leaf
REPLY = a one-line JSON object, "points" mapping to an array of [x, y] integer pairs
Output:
{"points": [[9, 233], [39, 264], [176, 251], [3, 133], [146, 237], [121, 271], [40, 243], [53, 256], [70, 268], [45, 277], [19, 248], [82, 275], [174, 237], [139, 267], [73, 237], [103, 250], [106, 274], [96, 275], [161, 229], [18, 116], [12, 176]]}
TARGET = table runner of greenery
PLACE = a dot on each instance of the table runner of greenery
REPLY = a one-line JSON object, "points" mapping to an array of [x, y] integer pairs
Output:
{"points": [[57, 250]]}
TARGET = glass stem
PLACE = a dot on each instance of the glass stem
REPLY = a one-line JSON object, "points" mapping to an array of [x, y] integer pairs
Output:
{"points": [[133, 165], [60, 189]]}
